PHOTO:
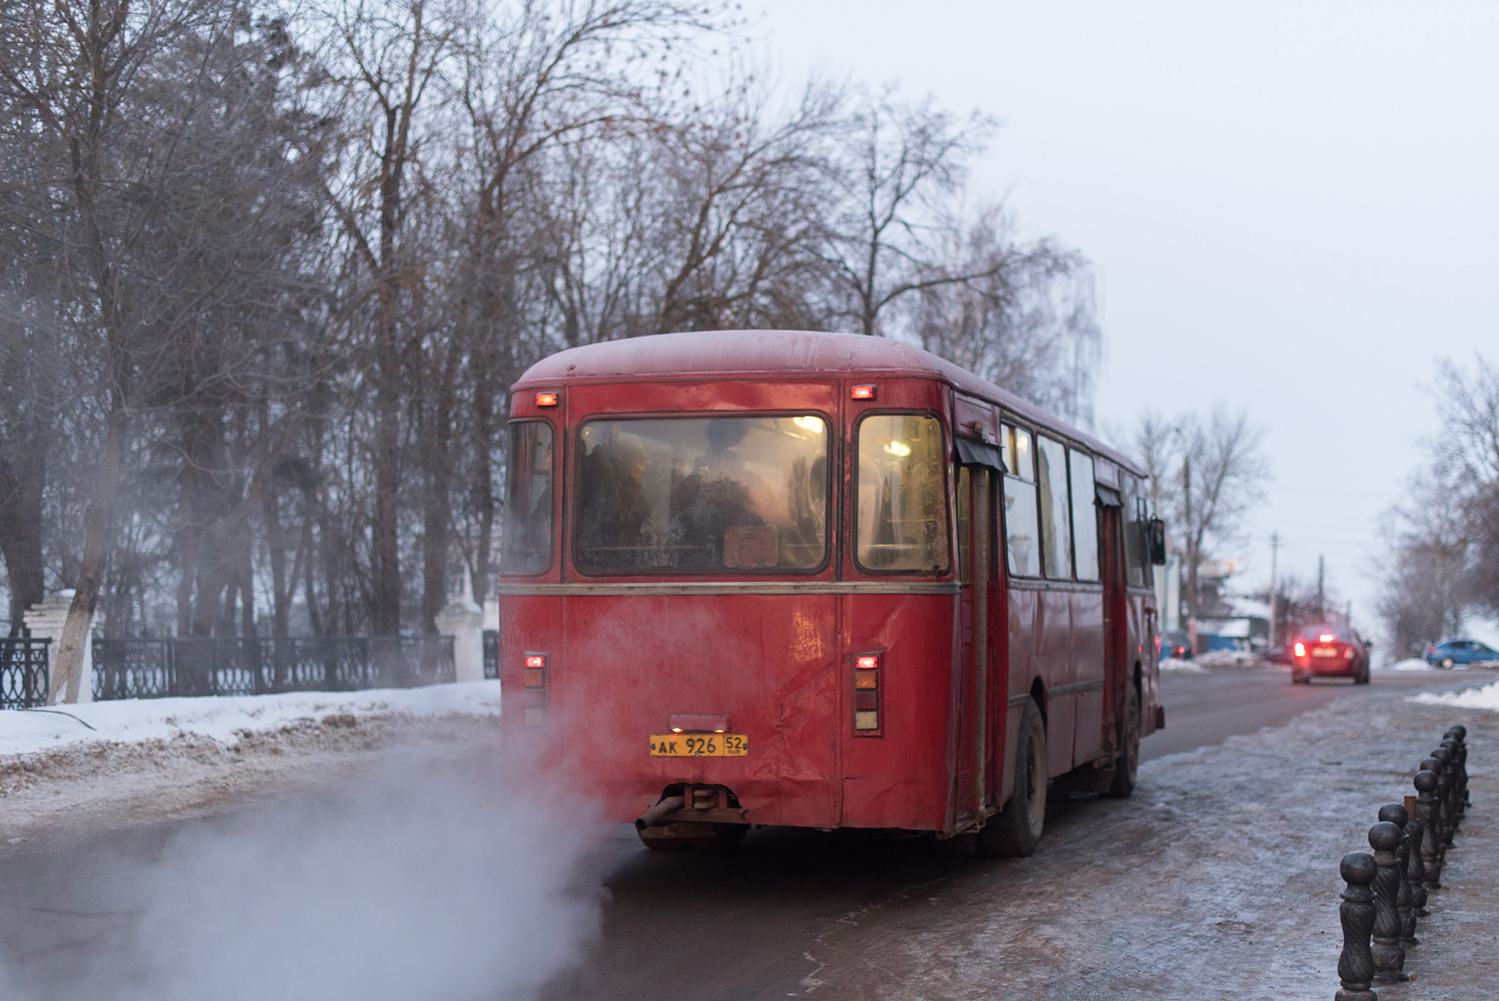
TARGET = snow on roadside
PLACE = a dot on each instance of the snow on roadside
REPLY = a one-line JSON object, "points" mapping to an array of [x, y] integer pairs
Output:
{"points": [[1486, 697], [1229, 658], [1186, 666], [226, 718], [1409, 664]]}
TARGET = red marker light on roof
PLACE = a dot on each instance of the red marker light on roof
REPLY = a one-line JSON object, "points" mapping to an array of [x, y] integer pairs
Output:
{"points": [[867, 663], [546, 399], [861, 393], [534, 660]]}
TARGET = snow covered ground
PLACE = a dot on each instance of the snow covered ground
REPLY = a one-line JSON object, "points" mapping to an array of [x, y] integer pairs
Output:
{"points": [[141, 761], [1185, 666], [227, 718], [1486, 697]]}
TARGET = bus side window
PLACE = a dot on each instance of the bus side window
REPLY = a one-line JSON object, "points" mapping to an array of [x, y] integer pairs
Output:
{"points": [[902, 494], [1021, 534], [527, 541], [1134, 531], [1084, 515], [1056, 538]]}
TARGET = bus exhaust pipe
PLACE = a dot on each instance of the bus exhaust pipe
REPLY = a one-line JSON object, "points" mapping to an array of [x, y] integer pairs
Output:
{"points": [[661, 809]]}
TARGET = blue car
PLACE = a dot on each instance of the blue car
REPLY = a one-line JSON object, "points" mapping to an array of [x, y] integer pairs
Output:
{"points": [[1450, 653]]}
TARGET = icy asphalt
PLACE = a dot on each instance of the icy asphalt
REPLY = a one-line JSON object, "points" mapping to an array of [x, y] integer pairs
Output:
{"points": [[1218, 878]]}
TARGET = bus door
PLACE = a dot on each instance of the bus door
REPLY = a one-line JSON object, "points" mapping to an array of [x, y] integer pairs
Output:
{"points": [[975, 774], [1115, 611]]}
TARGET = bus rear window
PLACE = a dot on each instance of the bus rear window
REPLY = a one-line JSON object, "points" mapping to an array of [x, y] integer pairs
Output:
{"points": [[527, 539], [702, 495], [902, 507]]}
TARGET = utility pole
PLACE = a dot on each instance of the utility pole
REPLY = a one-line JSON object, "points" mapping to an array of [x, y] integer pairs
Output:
{"points": [[1274, 596], [1321, 590], [1193, 545]]}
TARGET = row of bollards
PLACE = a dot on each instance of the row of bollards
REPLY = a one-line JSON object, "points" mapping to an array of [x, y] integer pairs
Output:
{"points": [[1389, 890]]}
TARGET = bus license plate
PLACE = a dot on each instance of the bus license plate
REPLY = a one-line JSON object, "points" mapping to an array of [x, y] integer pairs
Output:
{"points": [[1323, 652], [699, 745]]}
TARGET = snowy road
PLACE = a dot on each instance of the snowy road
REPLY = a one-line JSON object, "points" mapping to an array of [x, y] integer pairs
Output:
{"points": [[1099, 911]]}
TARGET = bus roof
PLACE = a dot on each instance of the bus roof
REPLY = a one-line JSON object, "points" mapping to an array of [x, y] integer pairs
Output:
{"points": [[772, 354]]}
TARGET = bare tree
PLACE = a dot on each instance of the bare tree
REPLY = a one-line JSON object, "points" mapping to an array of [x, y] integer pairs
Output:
{"points": [[903, 163], [1468, 465], [1021, 314], [1206, 476], [1427, 576]]}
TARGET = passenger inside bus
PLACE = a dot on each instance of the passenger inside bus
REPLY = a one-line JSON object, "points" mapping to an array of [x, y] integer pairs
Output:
{"points": [[704, 494]]}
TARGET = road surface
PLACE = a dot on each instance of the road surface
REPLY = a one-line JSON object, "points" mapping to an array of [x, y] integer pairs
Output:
{"points": [[772, 920]]}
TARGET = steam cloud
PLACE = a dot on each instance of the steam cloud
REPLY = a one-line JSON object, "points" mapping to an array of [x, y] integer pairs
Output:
{"points": [[433, 882]]}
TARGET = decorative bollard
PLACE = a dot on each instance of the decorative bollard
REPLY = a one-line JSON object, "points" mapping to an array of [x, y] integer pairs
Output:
{"points": [[1430, 816], [1443, 757], [1389, 955], [1356, 964], [1460, 734], [1395, 814], [1415, 870], [1454, 792]]}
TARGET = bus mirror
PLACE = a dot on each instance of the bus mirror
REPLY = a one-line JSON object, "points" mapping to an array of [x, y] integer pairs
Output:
{"points": [[1157, 542]]}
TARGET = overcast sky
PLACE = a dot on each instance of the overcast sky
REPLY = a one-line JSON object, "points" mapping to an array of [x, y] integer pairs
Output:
{"points": [[1291, 207]]}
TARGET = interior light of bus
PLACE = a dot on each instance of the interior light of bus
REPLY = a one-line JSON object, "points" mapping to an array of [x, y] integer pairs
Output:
{"points": [[867, 662], [861, 393], [813, 424], [546, 399], [1301, 649], [898, 448], [1326, 638]]}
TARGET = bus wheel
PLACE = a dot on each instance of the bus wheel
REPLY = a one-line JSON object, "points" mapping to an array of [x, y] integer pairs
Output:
{"points": [[1128, 764], [1016, 830]]}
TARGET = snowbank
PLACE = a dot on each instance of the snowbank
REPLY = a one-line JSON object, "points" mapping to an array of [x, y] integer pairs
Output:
{"points": [[1229, 658], [224, 719], [1486, 697], [1186, 666], [1409, 664]]}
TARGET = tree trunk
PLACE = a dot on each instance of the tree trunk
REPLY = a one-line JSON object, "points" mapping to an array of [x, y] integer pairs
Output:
{"points": [[22, 481]]}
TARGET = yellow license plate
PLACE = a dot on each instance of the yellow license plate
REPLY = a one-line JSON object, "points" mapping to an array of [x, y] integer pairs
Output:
{"points": [[699, 745]]}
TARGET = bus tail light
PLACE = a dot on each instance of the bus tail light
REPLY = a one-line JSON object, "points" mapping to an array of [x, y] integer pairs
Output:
{"points": [[867, 695], [536, 688]]}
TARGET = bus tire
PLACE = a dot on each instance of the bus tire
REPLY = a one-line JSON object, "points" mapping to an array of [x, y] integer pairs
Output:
{"points": [[1015, 831], [1127, 766]]}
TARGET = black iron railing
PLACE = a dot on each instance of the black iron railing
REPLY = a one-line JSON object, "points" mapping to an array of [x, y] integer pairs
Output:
{"points": [[146, 669], [23, 672], [491, 654]]}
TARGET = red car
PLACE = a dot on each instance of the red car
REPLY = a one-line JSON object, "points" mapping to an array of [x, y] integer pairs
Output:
{"points": [[1329, 652]]}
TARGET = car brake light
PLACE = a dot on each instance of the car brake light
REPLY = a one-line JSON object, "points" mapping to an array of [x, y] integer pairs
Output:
{"points": [[1301, 649], [1326, 638], [867, 694]]}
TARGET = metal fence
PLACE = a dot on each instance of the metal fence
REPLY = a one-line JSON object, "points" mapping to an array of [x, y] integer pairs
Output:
{"points": [[148, 669], [23, 672], [491, 654]]}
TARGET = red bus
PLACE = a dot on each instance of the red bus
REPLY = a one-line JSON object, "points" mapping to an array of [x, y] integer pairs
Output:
{"points": [[818, 580]]}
